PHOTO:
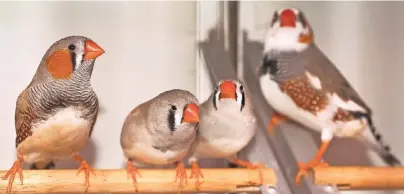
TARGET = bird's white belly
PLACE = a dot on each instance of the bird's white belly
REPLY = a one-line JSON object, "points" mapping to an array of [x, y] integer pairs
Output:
{"points": [[222, 136], [60, 136], [283, 104], [219, 148], [144, 153]]}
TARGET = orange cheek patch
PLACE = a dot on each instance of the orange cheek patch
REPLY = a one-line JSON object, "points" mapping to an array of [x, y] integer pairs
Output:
{"points": [[59, 64], [306, 38]]}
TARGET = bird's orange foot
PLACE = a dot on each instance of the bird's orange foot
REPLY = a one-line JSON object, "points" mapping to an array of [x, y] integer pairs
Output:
{"points": [[182, 175], [84, 166], [250, 165], [197, 174], [16, 168], [304, 168], [276, 119], [132, 171]]}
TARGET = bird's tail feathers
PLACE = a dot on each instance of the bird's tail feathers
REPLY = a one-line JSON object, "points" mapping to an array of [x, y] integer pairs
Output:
{"points": [[390, 159], [373, 139], [383, 149]]}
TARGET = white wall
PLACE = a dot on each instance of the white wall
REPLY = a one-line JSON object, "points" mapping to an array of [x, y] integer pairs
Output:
{"points": [[364, 40], [150, 47]]}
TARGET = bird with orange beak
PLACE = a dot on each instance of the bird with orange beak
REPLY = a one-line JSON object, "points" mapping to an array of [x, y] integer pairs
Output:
{"points": [[160, 131], [302, 84], [56, 113], [227, 125]]}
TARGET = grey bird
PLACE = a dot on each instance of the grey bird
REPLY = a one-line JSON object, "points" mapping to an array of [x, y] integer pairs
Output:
{"points": [[227, 125], [160, 131], [302, 84], [56, 113]]}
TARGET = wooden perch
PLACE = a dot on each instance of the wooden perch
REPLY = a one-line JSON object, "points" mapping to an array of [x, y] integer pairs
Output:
{"points": [[361, 178], [152, 181]]}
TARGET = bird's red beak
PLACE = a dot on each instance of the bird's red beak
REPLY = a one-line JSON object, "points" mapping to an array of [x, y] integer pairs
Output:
{"points": [[92, 50], [288, 18], [191, 113], [227, 90]]}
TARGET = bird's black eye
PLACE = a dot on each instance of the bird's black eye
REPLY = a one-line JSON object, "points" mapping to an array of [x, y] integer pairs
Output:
{"points": [[173, 107], [241, 88], [72, 47]]}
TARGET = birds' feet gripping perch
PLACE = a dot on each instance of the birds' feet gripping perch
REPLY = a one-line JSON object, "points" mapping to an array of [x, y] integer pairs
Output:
{"points": [[132, 171], [182, 175], [197, 174], [250, 165], [16, 168], [84, 166], [315, 162], [276, 119]]}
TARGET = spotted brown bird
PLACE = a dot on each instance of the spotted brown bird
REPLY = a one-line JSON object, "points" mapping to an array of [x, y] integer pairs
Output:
{"points": [[56, 113], [160, 132], [302, 84], [227, 125]]}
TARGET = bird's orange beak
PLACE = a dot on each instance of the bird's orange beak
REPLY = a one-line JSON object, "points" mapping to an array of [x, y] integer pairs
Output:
{"points": [[92, 50], [227, 90], [191, 113], [287, 18]]}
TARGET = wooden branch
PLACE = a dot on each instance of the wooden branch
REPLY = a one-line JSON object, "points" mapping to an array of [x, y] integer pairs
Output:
{"points": [[151, 181], [361, 178]]}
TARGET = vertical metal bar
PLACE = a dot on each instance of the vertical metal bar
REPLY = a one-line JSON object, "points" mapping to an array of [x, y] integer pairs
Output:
{"points": [[232, 36]]}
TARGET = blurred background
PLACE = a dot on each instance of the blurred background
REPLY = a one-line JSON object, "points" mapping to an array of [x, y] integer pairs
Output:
{"points": [[153, 46]]}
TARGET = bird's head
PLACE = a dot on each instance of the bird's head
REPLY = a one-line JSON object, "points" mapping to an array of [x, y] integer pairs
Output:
{"points": [[176, 113], [72, 55], [289, 31], [227, 93]]}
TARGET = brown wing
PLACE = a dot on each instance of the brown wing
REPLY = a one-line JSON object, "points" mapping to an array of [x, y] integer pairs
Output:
{"points": [[331, 78], [24, 117]]}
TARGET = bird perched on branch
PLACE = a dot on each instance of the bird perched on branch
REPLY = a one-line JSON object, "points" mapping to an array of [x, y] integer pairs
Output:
{"points": [[302, 84], [227, 125], [160, 132], [56, 113]]}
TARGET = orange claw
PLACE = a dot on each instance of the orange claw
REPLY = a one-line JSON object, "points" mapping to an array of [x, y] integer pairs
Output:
{"points": [[250, 165], [84, 166], [182, 175], [197, 174], [316, 162], [16, 168], [276, 119], [132, 171], [304, 168]]}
